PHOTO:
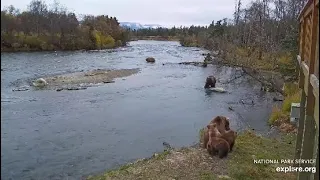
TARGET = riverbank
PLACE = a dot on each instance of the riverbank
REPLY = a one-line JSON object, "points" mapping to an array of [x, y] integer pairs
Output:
{"points": [[56, 49], [280, 115], [195, 163]]}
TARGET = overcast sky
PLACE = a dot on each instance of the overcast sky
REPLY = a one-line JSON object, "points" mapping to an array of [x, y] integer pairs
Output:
{"points": [[162, 12]]}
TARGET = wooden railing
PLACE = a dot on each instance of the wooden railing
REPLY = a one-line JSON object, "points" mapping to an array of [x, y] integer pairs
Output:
{"points": [[308, 58]]}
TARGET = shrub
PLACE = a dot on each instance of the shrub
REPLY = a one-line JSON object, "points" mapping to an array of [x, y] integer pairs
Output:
{"points": [[107, 42]]}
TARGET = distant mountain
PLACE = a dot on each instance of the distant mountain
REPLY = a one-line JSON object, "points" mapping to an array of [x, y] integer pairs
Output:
{"points": [[133, 25]]}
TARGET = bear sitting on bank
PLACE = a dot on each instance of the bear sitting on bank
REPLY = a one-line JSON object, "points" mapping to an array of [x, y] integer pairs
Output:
{"points": [[216, 134], [223, 125], [217, 145], [228, 135]]}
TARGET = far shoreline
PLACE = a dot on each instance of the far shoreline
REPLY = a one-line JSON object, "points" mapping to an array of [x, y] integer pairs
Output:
{"points": [[54, 50], [145, 38]]}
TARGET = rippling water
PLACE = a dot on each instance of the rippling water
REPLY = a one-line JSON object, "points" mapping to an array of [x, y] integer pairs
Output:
{"points": [[70, 134]]}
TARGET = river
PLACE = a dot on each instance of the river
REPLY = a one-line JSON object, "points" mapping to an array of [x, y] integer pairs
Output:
{"points": [[71, 134]]}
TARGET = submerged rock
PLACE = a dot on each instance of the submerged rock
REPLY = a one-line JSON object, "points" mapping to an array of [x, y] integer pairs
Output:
{"points": [[278, 99], [76, 88], [150, 60], [106, 82], [166, 145]]}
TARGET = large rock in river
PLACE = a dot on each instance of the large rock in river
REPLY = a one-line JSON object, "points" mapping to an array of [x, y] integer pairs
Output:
{"points": [[150, 60], [40, 82]]}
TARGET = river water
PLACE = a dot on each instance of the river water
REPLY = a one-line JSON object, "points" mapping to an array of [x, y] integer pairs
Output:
{"points": [[72, 134]]}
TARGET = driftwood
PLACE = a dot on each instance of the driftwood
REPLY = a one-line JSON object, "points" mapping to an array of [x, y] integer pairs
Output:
{"points": [[230, 80], [255, 75], [277, 99]]}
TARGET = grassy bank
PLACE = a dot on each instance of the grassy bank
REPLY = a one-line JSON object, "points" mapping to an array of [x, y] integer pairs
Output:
{"points": [[281, 115], [195, 163], [282, 61]]}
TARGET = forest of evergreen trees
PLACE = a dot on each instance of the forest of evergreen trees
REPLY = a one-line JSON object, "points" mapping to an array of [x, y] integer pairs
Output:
{"points": [[168, 32], [40, 28]]}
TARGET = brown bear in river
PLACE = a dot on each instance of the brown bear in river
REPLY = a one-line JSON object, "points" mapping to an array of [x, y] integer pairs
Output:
{"points": [[223, 125], [210, 82], [217, 145]]}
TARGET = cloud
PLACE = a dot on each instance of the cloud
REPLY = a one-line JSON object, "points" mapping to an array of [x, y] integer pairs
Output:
{"points": [[163, 12]]}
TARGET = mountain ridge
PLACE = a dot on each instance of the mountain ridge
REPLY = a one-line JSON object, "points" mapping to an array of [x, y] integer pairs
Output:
{"points": [[136, 26]]}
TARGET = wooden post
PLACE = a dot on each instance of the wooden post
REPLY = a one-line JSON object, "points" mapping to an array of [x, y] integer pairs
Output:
{"points": [[303, 39], [303, 94], [301, 122], [310, 130], [307, 144], [316, 176], [316, 156]]}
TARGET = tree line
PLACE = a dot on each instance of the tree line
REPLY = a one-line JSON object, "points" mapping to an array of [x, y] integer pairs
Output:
{"points": [[55, 28], [265, 33], [167, 32]]}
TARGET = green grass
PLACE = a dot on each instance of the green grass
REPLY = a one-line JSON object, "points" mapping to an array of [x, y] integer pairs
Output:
{"points": [[295, 98], [276, 115], [162, 155], [281, 115], [207, 176], [250, 147]]}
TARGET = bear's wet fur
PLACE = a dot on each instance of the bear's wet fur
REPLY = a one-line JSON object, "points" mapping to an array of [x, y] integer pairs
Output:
{"points": [[210, 82], [215, 144], [222, 122], [223, 125], [230, 136]]}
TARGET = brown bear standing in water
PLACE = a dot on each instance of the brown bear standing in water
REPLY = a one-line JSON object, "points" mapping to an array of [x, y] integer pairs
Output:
{"points": [[210, 82], [215, 144], [223, 125]]}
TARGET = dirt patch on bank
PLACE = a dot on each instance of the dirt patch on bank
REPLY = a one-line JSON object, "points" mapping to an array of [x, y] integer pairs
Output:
{"points": [[82, 80]]}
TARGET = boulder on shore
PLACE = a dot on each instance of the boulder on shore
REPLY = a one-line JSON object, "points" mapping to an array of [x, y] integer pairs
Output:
{"points": [[40, 82], [150, 60]]}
